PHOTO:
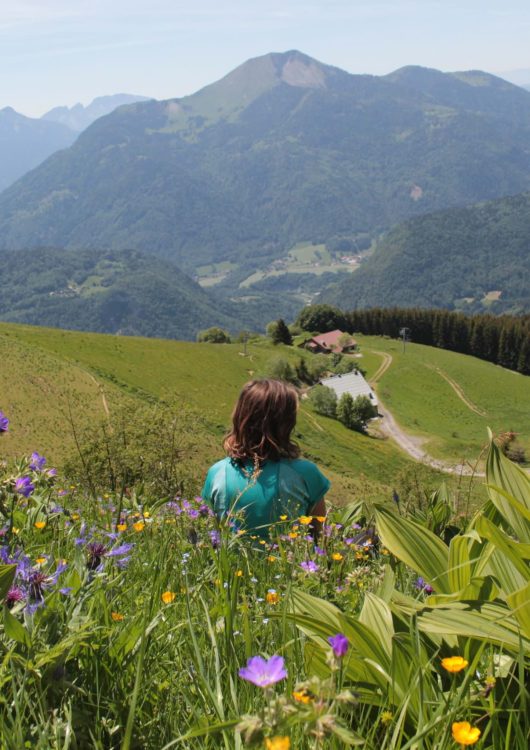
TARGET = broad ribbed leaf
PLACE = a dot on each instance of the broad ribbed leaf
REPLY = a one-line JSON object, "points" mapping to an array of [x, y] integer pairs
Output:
{"points": [[519, 603], [502, 473], [506, 562], [459, 566], [416, 546], [377, 616], [489, 621]]}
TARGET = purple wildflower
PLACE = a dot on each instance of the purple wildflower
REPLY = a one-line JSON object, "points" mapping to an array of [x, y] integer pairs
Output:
{"points": [[262, 672], [13, 596], [340, 644], [320, 551], [422, 586], [24, 486], [121, 549], [309, 566], [4, 422], [95, 552], [52, 472], [215, 539], [65, 591], [37, 462]]}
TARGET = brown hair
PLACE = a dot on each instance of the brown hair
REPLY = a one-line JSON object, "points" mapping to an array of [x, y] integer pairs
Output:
{"points": [[262, 421]]}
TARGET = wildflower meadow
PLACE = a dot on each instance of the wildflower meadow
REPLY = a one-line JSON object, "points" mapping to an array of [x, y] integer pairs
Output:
{"points": [[132, 620]]}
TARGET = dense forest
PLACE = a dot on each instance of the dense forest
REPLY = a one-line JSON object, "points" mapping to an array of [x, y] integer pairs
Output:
{"points": [[476, 259], [503, 339]]}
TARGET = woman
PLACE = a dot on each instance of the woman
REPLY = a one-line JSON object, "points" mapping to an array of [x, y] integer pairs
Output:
{"points": [[263, 481]]}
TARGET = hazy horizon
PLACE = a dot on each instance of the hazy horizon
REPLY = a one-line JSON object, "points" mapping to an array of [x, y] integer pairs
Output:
{"points": [[67, 53]]}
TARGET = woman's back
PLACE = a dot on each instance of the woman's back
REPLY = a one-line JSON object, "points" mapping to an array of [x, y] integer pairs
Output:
{"points": [[259, 497]]}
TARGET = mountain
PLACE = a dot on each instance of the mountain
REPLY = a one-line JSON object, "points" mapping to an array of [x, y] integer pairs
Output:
{"points": [[79, 117], [284, 149], [25, 142], [120, 291], [475, 258]]}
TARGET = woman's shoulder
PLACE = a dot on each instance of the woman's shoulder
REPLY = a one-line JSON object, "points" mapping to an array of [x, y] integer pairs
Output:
{"points": [[221, 464], [310, 472]]}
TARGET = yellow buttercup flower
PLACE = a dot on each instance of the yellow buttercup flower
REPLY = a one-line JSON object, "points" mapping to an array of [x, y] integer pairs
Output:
{"points": [[239, 573], [75, 516], [306, 520], [386, 717], [121, 527], [271, 558], [117, 616], [40, 560], [139, 526], [454, 664], [303, 696], [40, 524], [283, 518], [272, 597], [321, 519], [293, 535], [168, 597], [277, 743], [147, 514], [337, 556], [15, 530], [464, 733]]}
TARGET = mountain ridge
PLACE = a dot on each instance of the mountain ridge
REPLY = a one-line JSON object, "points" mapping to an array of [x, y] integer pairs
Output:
{"points": [[284, 149]]}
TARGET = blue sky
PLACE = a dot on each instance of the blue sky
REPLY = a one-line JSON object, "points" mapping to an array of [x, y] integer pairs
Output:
{"points": [[63, 51]]}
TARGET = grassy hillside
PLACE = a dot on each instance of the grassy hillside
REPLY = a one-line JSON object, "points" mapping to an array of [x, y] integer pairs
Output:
{"points": [[448, 398], [45, 371]]}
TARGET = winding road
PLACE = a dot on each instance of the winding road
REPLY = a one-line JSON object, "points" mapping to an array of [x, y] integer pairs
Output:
{"points": [[412, 444]]}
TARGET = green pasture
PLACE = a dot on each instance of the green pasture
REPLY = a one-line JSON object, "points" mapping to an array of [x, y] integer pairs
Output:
{"points": [[425, 403], [76, 369]]}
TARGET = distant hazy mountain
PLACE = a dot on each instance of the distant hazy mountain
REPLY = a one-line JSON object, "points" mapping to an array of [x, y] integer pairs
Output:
{"points": [[79, 117], [110, 292], [475, 258], [26, 142], [281, 150]]}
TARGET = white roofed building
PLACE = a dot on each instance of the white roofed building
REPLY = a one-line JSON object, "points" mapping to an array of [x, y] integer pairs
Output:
{"points": [[352, 383]]}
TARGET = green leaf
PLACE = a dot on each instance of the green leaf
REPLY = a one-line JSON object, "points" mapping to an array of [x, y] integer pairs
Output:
{"points": [[459, 566], [519, 603], [15, 630], [489, 621], [416, 546], [7, 575], [506, 562], [377, 616], [502, 473]]}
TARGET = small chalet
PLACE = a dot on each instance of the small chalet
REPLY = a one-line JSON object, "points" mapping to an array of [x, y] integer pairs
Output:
{"points": [[352, 383], [328, 343]]}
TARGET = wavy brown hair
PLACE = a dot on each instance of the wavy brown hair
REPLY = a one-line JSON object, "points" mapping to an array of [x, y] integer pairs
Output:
{"points": [[262, 421]]}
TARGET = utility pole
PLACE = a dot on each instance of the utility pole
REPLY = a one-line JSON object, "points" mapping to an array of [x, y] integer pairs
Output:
{"points": [[404, 334]]}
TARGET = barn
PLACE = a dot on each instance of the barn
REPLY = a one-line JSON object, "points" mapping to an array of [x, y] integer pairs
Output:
{"points": [[352, 383]]}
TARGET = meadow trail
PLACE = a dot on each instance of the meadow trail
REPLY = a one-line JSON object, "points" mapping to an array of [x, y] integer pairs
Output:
{"points": [[385, 364], [459, 392], [411, 444]]}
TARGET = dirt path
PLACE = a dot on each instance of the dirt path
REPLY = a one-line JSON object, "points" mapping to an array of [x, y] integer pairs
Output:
{"points": [[412, 444], [459, 392], [383, 367], [102, 392]]}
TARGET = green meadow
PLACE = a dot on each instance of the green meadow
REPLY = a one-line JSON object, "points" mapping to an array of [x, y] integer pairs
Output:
{"points": [[449, 399]]}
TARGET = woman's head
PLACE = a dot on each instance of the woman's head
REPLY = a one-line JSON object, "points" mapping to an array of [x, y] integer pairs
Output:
{"points": [[262, 421]]}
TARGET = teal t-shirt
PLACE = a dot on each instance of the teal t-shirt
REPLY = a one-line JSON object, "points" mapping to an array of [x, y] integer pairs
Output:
{"points": [[290, 487]]}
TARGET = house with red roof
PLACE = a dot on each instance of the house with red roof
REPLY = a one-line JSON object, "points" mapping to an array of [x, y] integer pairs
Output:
{"points": [[333, 342]]}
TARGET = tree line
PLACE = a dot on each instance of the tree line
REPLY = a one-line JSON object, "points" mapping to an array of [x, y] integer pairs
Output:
{"points": [[502, 339]]}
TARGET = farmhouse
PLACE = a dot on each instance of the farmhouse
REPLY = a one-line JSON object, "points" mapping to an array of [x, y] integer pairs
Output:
{"points": [[333, 342], [352, 383]]}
